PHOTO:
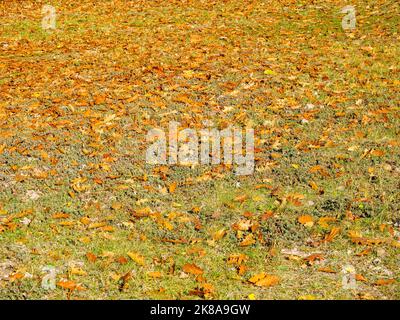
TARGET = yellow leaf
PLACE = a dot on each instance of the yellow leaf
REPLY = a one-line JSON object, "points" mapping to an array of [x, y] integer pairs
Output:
{"points": [[139, 259], [96, 225], [252, 296], [78, 271], [219, 234], [85, 220], [269, 72], [67, 223], [307, 297], [395, 244]]}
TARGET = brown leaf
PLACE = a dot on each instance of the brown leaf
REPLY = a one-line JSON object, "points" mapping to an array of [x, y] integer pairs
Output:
{"points": [[311, 259]]}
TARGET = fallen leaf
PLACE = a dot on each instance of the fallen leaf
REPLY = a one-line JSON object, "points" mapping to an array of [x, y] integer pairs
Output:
{"points": [[172, 187], [154, 274], [327, 270], [306, 220], [219, 234], [192, 268], [248, 240], [334, 232], [91, 257], [139, 259], [384, 282], [70, 285], [264, 280]]}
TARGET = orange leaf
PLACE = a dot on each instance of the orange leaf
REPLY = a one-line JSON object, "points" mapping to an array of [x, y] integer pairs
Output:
{"points": [[377, 153], [384, 282], [70, 285], [237, 258], [60, 215], [264, 280], [323, 222], [314, 257], [91, 257], [327, 270], [360, 277], [192, 268], [364, 252], [306, 220], [334, 232], [155, 274], [257, 277], [172, 187], [268, 281]]}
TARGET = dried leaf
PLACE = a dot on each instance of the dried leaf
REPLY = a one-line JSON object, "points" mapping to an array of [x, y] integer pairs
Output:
{"points": [[192, 269], [139, 259]]}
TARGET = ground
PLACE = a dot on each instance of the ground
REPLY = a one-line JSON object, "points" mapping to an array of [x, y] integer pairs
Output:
{"points": [[78, 198]]}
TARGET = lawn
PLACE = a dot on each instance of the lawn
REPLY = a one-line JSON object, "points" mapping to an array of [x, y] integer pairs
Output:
{"points": [[83, 216]]}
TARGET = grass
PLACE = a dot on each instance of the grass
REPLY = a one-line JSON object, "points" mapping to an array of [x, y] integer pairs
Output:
{"points": [[56, 128]]}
